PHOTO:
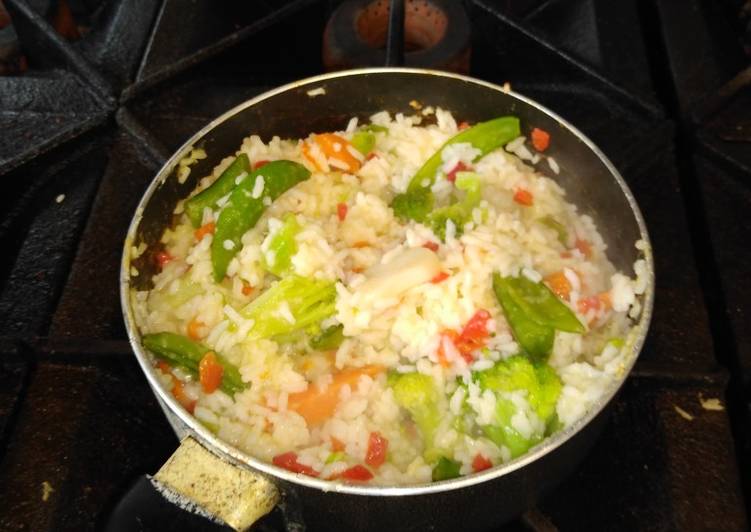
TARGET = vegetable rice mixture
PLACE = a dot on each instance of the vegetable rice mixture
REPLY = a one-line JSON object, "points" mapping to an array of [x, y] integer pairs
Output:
{"points": [[396, 303]]}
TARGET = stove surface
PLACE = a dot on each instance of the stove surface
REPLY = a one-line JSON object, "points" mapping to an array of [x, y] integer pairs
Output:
{"points": [[663, 87]]}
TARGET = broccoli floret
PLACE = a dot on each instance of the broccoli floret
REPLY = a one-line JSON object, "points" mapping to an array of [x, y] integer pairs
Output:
{"points": [[417, 394], [460, 212], [517, 373]]}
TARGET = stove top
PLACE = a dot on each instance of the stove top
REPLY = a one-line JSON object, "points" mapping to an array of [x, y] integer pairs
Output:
{"points": [[90, 109]]}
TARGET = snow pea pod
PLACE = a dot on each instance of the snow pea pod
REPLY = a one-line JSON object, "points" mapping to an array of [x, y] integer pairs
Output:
{"points": [[184, 352], [417, 201], [218, 189], [246, 204], [534, 313]]}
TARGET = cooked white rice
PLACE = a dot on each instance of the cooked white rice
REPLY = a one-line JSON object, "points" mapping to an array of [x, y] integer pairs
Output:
{"points": [[400, 332]]}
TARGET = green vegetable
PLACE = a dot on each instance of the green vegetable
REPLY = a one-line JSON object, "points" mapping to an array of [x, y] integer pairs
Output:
{"points": [[329, 339], [446, 469], [284, 246], [460, 212], [187, 354], [335, 457], [310, 301], [242, 210], [375, 128], [218, 189], [363, 141], [543, 388], [417, 394], [485, 137], [557, 226], [534, 313]]}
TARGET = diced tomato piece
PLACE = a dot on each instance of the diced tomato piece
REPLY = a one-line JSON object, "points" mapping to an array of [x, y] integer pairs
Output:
{"points": [[341, 211], [523, 197], [540, 139], [210, 372], [480, 463], [207, 229], [178, 390], [583, 246], [259, 164], [559, 284], [463, 125], [163, 258], [377, 447], [195, 329], [358, 473], [164, 367], [440, 277], [474, 334], [371, 155], [460, 167], [289, 462], [432, 246], [247, 288], [337, 445]]}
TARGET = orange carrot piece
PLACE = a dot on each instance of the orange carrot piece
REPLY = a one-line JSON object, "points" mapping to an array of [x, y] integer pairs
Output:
{"points": [[207, 229], [329, 142], [210, 372], [195, 329], [559, 284], [316, 406], [540, 139], [178, 390], [523, 197], [247, 288]]}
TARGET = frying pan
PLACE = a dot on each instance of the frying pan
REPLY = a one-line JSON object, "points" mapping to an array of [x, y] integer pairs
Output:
{"points": [[476, 502]]}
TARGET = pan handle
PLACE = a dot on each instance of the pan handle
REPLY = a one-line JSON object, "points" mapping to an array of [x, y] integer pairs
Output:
{"points": [[196, 480]]}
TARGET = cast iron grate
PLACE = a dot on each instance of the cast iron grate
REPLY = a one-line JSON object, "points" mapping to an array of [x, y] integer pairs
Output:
{"points": [[94, 119]]}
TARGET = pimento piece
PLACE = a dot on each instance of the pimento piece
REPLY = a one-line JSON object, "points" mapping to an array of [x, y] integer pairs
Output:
{"points": [[432, 246], [480, 463], [358, 473], [540, 139], [289, 462], [210, 372], [460, 167], [440, 277], [247, 288], [341, 211], [377, 447], [163, 258], [474, 334], [463, 125], [559, 284], [584, 247], [259, 164], [207, 229], [524, 197]]}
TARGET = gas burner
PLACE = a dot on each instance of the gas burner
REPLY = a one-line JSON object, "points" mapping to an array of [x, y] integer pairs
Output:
{"points": [[436, 35]]}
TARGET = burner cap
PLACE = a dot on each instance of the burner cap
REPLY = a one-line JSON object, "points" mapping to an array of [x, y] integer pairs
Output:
{"points": [[436, 35]]}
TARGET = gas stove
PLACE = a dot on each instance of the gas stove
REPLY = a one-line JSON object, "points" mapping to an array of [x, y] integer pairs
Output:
{"points": [[96, 94]]}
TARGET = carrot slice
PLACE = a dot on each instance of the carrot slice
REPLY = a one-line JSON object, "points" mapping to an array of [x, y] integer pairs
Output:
{"points": [[178, 390], [195, 329], [440, 277], [559, 284], [540, 139], [316, 405], [207, 229], [210, 372], [335, 147], [337, 445]]}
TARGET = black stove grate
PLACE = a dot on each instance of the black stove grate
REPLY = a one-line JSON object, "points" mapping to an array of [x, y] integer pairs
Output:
{"points": [[93, 120]]}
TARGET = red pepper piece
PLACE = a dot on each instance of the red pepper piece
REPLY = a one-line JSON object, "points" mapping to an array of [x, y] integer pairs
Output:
{"points": [[289, 462], [377, 447]]}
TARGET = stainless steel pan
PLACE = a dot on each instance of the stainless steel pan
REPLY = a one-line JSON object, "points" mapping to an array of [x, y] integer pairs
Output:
{"points": [[475, 502]]}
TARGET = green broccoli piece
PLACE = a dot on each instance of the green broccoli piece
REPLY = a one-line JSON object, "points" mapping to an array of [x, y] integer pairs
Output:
{"points": [[284, 246], [310, 301], [543, 389], [417, 394], [446, 469], [363, 141], [460, 212], [415, 205]]}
